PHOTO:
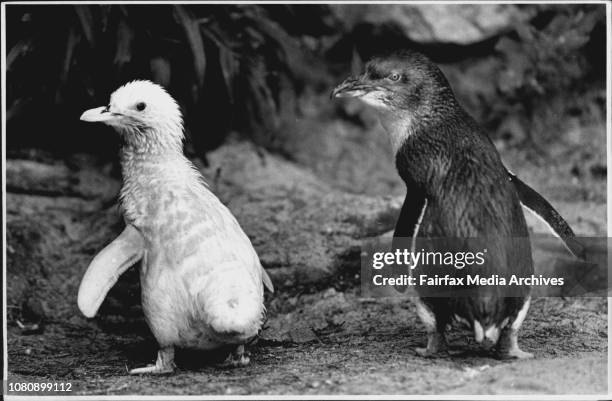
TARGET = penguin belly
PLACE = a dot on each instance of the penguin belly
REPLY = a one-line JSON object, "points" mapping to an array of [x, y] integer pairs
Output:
{"points": [[184, 309]]}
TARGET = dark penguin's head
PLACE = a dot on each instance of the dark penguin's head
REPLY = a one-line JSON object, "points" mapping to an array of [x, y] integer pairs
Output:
{"points": [[405, 88], [145, 115]]}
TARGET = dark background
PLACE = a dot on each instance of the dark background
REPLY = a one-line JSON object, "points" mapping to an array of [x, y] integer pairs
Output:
{"points": [[244, 67], [309, 179]]}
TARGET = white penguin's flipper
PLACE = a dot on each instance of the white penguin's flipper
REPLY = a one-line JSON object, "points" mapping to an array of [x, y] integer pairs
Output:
{"points": [[106, 267], [267, 282]]}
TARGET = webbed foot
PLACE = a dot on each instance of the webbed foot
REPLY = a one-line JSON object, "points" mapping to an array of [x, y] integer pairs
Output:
{"points": [[508, 348], [436, 345], [236, 358], [163, 365]]}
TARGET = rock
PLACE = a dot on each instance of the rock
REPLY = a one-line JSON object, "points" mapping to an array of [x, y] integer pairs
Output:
{"points": [[38, 178], [50, 241], [345, 156], [442, 23], [304, 231]]}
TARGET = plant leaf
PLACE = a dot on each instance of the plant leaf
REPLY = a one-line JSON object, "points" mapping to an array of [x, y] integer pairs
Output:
{"points": [[87, 23], [161, 70], [72, 41], [229, 67], [125, 37], [191, 27], [19, 49]]}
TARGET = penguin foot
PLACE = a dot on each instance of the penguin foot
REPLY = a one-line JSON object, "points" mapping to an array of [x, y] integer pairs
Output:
{"points": [[236, 358], [163, 365], [152, 370], [436, 345], [508, 348], [516, 354]]}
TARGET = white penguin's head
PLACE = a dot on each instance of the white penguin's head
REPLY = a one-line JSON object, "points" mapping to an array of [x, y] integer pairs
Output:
{"points": [[146, 116]]}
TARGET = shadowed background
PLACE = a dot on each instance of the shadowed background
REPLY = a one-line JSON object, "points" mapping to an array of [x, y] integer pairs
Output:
{"points": [[309, 179]]}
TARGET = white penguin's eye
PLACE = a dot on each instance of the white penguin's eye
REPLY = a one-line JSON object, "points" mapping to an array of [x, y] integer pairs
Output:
{"points": [[394, 77], [141, 106]]}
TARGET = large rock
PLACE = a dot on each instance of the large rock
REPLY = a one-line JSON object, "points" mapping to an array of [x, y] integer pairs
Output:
{"points": [[442, 23], [352, 153]]}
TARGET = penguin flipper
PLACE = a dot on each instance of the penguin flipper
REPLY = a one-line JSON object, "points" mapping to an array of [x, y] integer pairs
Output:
{"points": [[106, 267], [411, 215], [267, 281], [539, 206], [407, 227]]}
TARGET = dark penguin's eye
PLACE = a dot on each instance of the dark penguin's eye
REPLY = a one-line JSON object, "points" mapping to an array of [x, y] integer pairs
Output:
{"points": [[394, 77], [141, 106]]}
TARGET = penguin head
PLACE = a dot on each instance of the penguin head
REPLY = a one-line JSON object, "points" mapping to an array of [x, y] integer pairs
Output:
{"points": [[403, 82], [144, 114]]}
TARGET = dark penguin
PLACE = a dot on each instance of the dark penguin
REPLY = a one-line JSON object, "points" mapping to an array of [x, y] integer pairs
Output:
{"points": [[457, 188]]}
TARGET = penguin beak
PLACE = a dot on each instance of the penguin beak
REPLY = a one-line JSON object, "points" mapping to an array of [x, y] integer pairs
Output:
{"points": [[351, 87], [99, 115]]}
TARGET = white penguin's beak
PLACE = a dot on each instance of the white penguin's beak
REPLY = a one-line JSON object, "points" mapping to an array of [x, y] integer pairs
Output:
{"points": [[99, 115]]}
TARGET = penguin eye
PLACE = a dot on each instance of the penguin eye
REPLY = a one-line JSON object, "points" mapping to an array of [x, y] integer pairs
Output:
{"points": [[394, 76], [141, 106]]}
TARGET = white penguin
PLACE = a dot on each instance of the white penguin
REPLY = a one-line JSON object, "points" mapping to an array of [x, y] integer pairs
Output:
{"points": [[202, 281]]}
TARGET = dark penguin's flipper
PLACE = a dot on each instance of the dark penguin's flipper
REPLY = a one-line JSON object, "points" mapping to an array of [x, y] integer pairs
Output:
{"points": [[105, 269], [544, 210], [407, 226], [411, 216]]}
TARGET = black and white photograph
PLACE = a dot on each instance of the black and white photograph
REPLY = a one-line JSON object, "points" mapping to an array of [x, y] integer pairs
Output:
{"points": [[326, 200]]}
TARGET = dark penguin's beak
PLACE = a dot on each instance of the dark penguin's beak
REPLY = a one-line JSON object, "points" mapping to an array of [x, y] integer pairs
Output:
{"points": [[352, 87]]}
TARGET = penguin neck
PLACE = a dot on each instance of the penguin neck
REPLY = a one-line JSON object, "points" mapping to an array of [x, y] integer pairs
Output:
{"points": [[424, 149], [154, 166], [399, 126], [150, 179], [133, 158]]}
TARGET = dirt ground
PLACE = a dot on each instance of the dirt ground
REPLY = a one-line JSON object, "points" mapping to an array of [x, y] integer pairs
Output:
{"points": [[330, 343]]}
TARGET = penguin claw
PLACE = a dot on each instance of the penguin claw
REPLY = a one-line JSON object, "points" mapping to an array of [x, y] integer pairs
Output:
{"points": [[436, 346], [424, 352], [152, 370], [235, 362], [428, 353], [163, 365], [516, 354], [236, 359]]}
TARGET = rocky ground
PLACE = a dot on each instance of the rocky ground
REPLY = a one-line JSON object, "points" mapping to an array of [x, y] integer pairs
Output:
{"points": [[307, 219]]}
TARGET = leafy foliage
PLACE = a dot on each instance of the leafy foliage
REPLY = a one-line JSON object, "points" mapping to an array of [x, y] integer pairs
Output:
{"points": [[538, 61], [547, 59], [229, 66], [243, 67]]}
